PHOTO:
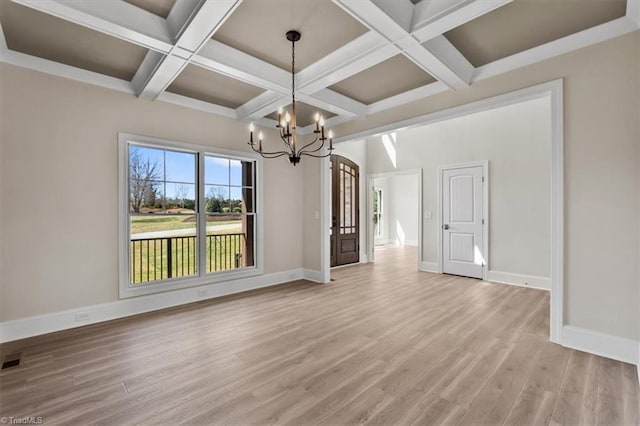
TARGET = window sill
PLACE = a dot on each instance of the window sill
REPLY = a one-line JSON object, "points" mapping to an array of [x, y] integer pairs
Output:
{"points": [[127, 290]]}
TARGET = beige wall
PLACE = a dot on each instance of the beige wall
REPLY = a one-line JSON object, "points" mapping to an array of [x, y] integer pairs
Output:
{"points": [[58, 188], [602, 173], [516, 140]]}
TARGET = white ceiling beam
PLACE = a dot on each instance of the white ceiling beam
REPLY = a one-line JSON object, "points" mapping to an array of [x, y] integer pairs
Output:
{"points": [[231, 62], [429, 23], [446, 53], [364, 52], [312, 82], [202, 19], [261, 105], [335, 102], [116, 17], [373, 14], [193, 22]]}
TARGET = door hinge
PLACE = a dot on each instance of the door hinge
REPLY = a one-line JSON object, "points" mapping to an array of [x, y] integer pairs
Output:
{"points": [[483, 221], [483, 178]]}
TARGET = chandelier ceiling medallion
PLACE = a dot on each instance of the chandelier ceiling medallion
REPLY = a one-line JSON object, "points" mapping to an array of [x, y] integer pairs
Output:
{"points": [[288, 128]]}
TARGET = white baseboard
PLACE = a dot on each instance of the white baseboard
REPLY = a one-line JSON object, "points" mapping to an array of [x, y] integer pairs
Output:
{"points": [[542, 283], [429, 267], [311, 275], [618, 348], [63, 320]]}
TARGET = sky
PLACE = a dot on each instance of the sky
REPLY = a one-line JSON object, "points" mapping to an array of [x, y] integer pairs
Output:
{"points": [[178, 169]]}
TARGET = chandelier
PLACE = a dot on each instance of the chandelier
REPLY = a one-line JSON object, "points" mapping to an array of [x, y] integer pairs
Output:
{"points": [[287, 125]]}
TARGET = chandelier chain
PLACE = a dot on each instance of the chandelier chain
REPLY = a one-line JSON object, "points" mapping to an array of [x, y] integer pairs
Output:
{"points": [[293, 76]]}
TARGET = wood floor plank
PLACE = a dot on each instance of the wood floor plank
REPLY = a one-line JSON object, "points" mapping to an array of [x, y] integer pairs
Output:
{"points": [[382, 344]]}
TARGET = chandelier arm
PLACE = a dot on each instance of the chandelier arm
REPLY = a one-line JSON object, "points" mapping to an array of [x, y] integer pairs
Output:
{"points": [[285, 141], [318, 148], [314, 155], [309, 144], [267, 154]]}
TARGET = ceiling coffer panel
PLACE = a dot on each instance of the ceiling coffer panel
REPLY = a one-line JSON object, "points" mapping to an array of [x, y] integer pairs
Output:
{"points": [[524, 24], [391, 77], [258, 27], [39, 34], [208, 86]]}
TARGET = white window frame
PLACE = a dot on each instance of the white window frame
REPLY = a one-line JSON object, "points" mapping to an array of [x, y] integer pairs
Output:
{"points": [[126, 289]]}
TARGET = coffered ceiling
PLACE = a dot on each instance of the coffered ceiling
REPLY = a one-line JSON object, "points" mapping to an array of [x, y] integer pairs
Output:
{"points": [[356, 57]]}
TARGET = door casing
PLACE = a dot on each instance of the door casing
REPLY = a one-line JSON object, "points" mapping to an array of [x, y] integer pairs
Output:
{"points": [[417, 172]]}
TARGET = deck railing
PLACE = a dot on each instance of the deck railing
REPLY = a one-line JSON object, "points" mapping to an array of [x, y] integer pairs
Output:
{"points": [[153, 259]]}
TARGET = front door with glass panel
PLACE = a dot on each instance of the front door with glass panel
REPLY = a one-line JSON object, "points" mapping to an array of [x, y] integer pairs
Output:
{"points": [[345, 223]]}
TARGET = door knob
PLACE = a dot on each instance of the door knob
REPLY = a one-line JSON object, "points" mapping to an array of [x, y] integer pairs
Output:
{"points": [[445, 226]]}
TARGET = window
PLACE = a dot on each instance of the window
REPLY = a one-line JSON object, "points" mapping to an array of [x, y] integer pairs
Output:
{"points": [[188, 215], [377, 212]]}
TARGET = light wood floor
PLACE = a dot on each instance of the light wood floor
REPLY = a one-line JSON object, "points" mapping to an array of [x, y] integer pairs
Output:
{"points": [[382, 344]]}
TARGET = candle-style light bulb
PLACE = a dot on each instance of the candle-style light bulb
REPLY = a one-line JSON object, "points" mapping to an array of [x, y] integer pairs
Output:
{"points": [[330, 140], [282, 123], [330, 134], [260, 136], [287, 117], [280, 117], [321, 121], [251, 127], [316, 117]]}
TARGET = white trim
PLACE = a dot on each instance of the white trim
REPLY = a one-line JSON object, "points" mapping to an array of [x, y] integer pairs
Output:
{"points": [[606, 345], [408, 96], [429, 267], [66, 71], [325, 213], [371, 240], [638, 364], [185, 101], [554, 89], [522, 280], [557, 211], [485, 210], [63, 320], [126, 289], [312, 275]]}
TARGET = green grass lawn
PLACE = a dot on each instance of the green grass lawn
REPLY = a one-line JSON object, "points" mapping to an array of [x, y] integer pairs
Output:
{"points": [[151, 223], [149, 260]]}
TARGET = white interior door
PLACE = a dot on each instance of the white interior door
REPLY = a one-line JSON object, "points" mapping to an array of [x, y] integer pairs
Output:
{"points": [[462, 221]]}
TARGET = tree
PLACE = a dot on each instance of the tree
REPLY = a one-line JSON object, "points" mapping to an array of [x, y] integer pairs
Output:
{"points": [[141, 174], [215, 200], [181, 194]]}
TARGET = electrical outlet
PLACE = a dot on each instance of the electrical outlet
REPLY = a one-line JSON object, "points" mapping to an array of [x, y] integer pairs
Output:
{"points": [[82, 316], [202, 293]]}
